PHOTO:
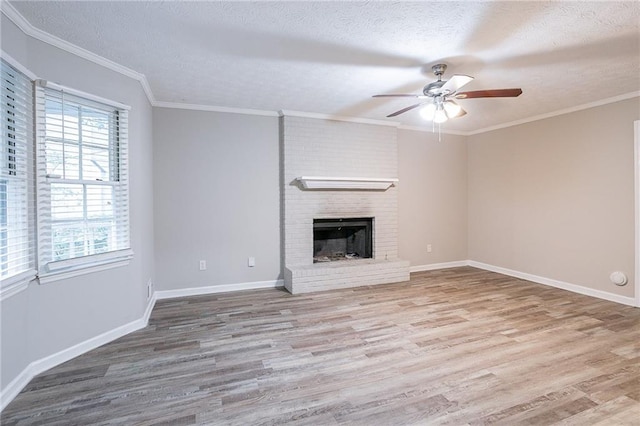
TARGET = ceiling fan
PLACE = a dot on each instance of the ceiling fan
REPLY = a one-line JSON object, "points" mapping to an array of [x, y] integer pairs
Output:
{"points": [[438, 96]]}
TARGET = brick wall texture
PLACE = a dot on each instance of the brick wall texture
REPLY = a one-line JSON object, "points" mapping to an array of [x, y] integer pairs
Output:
{"points": [[315, 147]]}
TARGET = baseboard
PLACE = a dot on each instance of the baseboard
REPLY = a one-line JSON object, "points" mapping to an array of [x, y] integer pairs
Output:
{"points": [[434, 266], [15, 387], [150, 305], [40, 366], [223, 288], [36, 367], [630, 301]]}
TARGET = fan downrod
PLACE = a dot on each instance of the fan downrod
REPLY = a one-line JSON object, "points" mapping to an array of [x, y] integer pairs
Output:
{"points": [[433, 89]]}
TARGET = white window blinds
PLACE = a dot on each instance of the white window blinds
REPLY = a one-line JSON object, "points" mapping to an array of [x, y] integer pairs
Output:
{"points": [[17, 236], [83, 197]]}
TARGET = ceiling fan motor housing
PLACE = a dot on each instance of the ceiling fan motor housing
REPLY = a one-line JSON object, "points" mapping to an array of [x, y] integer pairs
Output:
{"points": [[433, 89]]}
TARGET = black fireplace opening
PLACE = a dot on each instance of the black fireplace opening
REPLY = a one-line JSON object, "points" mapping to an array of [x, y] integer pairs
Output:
{"points": [[342, 239]]}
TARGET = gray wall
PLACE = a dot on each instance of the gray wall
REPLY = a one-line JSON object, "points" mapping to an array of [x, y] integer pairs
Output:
{"points": [[555, 198], [224, 207], [552, 198], [216, 198], [432, 197], [45, 319]]}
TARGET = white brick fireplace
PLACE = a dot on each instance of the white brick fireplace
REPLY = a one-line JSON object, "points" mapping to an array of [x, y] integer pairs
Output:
{"points": [[331, 149]]}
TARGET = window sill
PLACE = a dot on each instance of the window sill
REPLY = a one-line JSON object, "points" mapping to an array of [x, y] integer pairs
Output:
{"points": [[115, 260], [14, 285]]}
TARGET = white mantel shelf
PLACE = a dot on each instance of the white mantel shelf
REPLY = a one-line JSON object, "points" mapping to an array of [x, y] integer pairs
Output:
{"points": [[325, 182]]}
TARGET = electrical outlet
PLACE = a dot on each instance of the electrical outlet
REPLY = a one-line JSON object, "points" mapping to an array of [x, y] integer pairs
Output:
{"points": [[203, 265], [149, 289], [251, 262], [428, 248]]}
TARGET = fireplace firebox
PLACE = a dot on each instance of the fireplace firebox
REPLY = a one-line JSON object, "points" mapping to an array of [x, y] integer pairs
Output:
{"points": [[342, 239]]}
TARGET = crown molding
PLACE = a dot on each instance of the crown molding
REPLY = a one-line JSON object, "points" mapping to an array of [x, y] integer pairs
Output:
{"points": [[196, 107], [17, 65], [25, 26], [332, 117], [14, 16], [558, 112]]}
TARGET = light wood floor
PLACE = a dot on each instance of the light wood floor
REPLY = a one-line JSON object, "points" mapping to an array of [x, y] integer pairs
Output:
{"points": [[457, 346]]}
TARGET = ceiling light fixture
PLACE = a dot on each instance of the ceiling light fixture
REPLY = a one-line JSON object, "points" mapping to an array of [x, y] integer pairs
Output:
{"points": [[428, 111], [452, 109], [439, 111], [440, 115]]}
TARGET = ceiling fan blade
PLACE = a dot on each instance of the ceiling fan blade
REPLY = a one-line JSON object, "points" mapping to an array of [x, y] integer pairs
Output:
{"points": [[403, 110], [455, 83], [496, 93], [398, 96]]}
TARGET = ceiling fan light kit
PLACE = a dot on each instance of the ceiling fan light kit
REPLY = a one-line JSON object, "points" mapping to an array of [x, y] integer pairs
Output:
{"points": [[452, 109], [440, 111], [439, 105]]}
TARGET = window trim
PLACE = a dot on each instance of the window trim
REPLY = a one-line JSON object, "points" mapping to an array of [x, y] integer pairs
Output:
{"points": [[45, 84], [19, 281], [71, 267], [50, 270], [17, 65]]}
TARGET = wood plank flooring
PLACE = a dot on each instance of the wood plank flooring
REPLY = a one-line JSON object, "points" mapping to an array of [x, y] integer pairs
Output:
{"points": [[450, 347]]}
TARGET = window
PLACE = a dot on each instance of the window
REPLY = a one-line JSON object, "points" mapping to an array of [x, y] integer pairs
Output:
{"points": [[83, 202], [17, 237], [72, 169]]}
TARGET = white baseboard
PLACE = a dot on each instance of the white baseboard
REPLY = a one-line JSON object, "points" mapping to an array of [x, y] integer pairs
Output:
{"points": [[434, 266], [196, 291], [40, 366], [150, 305], [555, 283], [13, 389]]}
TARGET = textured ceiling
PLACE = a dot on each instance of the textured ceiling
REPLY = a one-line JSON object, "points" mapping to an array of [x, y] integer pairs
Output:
{"points": [[330, 57]]}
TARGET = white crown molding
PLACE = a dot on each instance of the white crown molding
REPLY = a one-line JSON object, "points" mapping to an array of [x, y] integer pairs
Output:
{"points": [[17, 65], [14, 16], [195, 107], [288, 113], [557, 113]]}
